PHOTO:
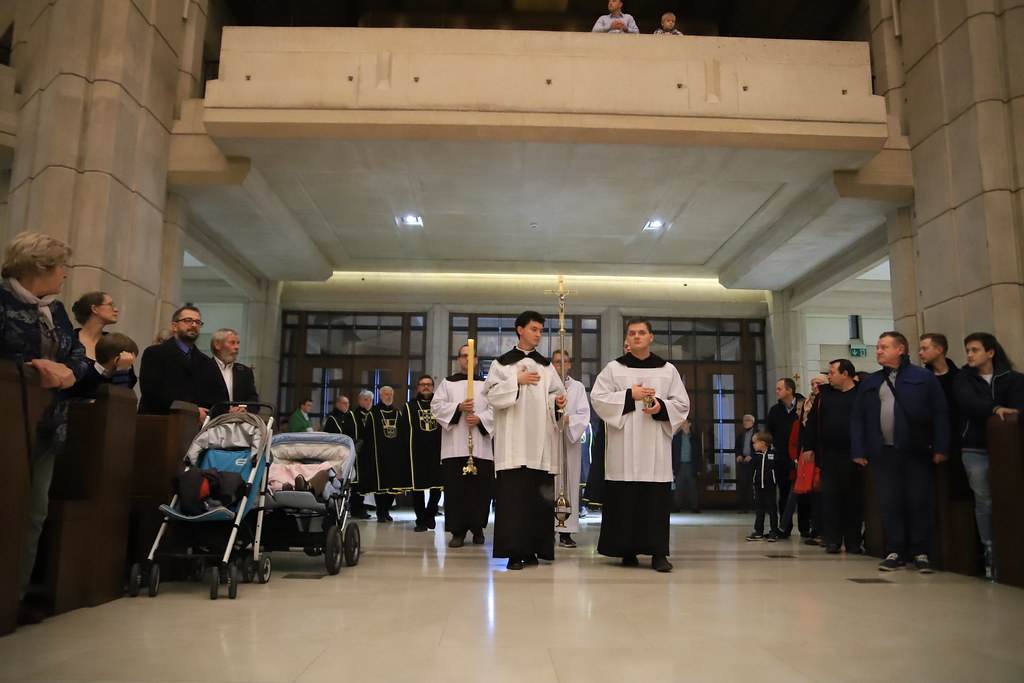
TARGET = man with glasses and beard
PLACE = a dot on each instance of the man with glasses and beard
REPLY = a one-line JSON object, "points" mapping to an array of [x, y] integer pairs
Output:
{"points": [[177, 371]]}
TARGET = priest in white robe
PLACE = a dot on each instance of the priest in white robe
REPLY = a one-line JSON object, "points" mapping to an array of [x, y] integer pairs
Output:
{"points": [[638, 476], [467, 497], [524, 390], [575, 423]]}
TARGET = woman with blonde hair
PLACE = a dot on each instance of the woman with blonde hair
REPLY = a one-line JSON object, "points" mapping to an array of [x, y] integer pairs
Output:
{"points": [[35, 330]]}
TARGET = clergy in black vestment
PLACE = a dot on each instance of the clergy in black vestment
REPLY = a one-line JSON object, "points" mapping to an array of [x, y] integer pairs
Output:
{"points": [[341, 420], [643, 402], [467, 497], [426, 455], [524, 390], [392, 454]]}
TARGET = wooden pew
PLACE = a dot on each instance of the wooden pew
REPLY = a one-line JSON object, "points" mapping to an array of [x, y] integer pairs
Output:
{"points": [[955, 538], [1006, 474], [89, 503], [14, 484], [161, 442]]}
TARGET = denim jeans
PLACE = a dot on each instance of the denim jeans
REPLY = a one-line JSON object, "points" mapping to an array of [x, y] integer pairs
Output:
{"points": [[976, 465]]}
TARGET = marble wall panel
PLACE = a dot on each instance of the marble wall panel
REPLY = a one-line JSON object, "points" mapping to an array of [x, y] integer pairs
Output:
{"points": [[61, 118], [152, 149], [1012, 31], [108, 141], [145, 244], [124, 45], [917, 19], [925, 94], [936, 272], [931, 176], [102, 222]]}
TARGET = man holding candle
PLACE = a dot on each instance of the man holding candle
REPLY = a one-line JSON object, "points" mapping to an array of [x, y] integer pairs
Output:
{"points": [[643, 402], [462, 417], [576, 421], [524, 390]]}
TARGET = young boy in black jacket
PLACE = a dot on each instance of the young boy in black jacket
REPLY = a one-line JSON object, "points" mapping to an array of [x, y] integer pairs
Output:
{"points": [[764, 488]]}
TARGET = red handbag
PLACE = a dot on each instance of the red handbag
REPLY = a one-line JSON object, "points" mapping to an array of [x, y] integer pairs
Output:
{"points": [[808, 477]]}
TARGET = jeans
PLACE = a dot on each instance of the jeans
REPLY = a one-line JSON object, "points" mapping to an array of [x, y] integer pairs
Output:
{"points": [[976, 465]]}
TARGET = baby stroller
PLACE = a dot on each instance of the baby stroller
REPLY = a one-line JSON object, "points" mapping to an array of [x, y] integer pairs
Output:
{"points": [[310, 484], [211, 530]]}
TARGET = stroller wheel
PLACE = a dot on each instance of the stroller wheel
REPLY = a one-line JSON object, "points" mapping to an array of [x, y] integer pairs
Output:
{"points": [[198, 569], [263, 568], [134, 580], [248, 568], [214, 582], [352, 545], [333, 551], [232, 581], [154, 580]]}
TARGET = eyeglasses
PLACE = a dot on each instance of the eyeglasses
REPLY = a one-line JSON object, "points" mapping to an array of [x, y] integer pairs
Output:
{"points": [[190, 321], [106, 303], [463, 355]]}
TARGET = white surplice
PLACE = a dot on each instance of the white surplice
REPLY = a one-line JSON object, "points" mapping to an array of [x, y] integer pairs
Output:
{"points": [[578, 409], [639, 448], [455, 437], [524, 415]]}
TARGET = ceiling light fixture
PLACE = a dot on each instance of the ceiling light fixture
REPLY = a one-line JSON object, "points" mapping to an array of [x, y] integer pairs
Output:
{"points": [[411, 221], [654, 224]]}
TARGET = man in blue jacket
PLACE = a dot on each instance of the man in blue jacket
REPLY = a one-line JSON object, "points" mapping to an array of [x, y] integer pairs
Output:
{"points": [[986, 386], [900, 425]]}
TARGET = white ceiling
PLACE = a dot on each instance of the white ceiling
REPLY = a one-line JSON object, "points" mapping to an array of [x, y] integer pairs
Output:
{"points": [[755, 218]]}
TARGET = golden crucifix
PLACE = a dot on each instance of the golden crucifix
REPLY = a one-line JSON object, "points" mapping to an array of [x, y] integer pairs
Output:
{"points": [[562, 509]]}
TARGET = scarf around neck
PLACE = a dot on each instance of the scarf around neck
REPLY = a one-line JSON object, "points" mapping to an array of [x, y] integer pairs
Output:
{"points": [[42, 303]]}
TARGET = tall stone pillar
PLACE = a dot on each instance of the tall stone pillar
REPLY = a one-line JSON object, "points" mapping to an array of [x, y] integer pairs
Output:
{"points": [[97, 84], [262, 340], [963, 66], [786, 342]]}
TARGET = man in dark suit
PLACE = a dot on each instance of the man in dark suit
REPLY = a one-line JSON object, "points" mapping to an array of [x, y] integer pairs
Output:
{"points": [[238, 379], [177, 371]]}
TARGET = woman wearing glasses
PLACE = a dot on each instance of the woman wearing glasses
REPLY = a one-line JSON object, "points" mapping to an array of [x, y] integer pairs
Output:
{"points": [[94, 311]]}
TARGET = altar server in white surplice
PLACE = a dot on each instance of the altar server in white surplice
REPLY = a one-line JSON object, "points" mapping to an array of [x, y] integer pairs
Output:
{"points": [[524, 390], [638, 475], [576, 421], [467, 497]]}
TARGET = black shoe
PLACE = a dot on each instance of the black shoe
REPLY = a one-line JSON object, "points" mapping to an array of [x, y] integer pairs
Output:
{"points": [[755, 537], [630, 561], [695, 510], [565, 541], [431, 523], [531, 560], [457, 542], [891, 563], [813, 541], [419, 527], [832, 549], [389, 518], [28, 615], [361, 515], [772, 536], [515, 563], [922, 564], [478, 537], [383, 520], [783, 535], [660, 563]]}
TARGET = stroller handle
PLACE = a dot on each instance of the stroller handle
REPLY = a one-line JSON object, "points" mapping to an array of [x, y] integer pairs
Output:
{"points": [[255, 407]]}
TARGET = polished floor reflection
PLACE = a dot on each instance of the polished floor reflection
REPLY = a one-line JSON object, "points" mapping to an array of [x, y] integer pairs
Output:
{"points": [[415, 610]]}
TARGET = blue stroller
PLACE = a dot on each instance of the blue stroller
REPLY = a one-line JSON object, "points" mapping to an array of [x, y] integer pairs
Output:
{"points": [[220, 536], [311, 483]]}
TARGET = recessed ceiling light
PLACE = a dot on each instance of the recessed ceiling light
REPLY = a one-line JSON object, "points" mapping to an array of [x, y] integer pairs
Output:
{"points": [[654, 224], [411, 221]]}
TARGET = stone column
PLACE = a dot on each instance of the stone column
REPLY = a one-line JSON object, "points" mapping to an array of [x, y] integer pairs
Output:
{"points": [[964, 92], [785, 342], [97, 88], [263, 339]]}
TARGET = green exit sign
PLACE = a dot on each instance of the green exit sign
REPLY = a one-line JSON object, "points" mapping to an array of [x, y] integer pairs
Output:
{"points": [[858, 351]]}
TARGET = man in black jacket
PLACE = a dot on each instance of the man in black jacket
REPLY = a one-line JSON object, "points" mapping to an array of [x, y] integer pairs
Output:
{"points": [[780, 423], [239, 381], [177, 371], [827, 442], [987, 385]]}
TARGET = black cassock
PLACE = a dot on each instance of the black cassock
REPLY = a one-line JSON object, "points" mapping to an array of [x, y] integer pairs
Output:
{"points": [[391, 451], [426, 446]]}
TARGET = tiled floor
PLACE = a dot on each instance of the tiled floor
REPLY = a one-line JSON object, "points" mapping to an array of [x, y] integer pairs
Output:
{"points": [[413, 610]]}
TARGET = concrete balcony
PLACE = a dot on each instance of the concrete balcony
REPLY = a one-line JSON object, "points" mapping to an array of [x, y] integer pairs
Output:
{"points": [[527, 85]]}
